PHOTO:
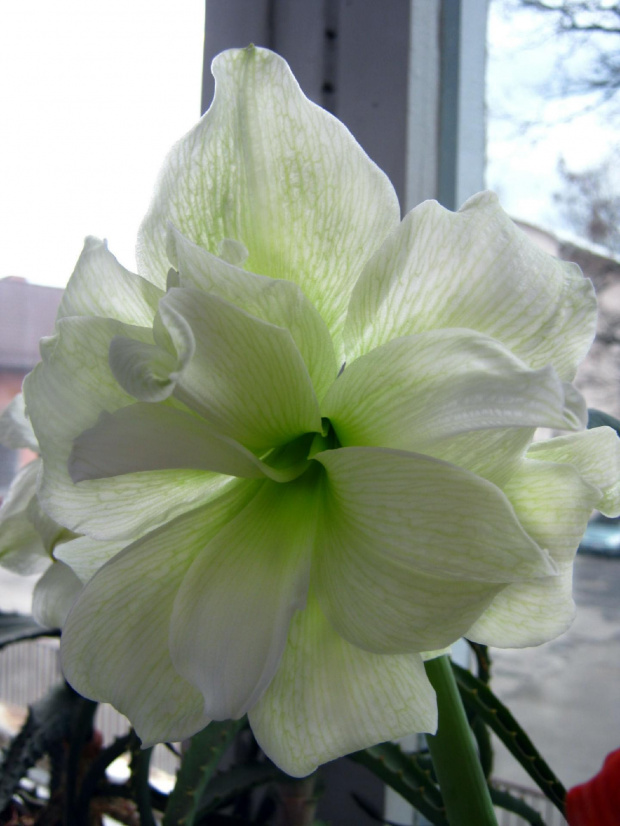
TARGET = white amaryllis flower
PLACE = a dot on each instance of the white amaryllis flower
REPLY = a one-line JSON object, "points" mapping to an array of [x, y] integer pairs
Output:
{"points": [[27, 534], [310, 425]]}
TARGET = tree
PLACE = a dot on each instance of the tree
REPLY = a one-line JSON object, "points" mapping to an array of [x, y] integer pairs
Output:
{"points": [[597, 25], [590, 201]]}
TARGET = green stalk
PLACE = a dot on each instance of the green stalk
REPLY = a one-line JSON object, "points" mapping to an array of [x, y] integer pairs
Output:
{"points": [[461, 779]]}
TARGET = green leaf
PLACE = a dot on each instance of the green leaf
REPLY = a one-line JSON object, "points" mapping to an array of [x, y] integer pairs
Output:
{"points": [[235, 781], [199, 764], [483, 741], [49, 720], [403, 773], [17, 627], [481, 699], [140, 764], [514, 804], [596, 418], [483, 660]]}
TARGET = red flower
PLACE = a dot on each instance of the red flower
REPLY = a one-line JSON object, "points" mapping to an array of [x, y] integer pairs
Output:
{"points": [[597, 802]]}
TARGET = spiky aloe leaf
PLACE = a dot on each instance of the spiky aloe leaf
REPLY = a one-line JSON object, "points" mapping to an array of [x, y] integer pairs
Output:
{"points": [[405, 775], [49, 720], [17, 627], [479, 698], [197, 768]]}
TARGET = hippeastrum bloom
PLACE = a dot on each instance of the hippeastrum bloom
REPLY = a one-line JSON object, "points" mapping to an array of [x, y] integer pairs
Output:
{"points": [[309, 426], [27, 534]]}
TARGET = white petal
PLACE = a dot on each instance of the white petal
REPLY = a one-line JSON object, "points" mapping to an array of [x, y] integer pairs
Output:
{"points": [[149, 437], [144, 370], [267, 168], [528, 613], [407, 504], [492, 454], [115, 642], [65, 396], [418, 390], [553, 503], [329, 698], [412, 550], [54, 594], [233, 609], [15, 428], [473, 269], [100, 286], [21, 546], [384, 606], [246, 377], [85, 556], [273, 300], [595, 454]]}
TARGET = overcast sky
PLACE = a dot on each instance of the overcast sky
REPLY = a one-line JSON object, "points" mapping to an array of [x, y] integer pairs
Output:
{"points": [[526, 64], [92, 95], [90, 107]]}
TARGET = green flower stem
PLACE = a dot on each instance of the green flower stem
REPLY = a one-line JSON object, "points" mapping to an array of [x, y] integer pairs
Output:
{"points": [[297, 803], [463, 785]]}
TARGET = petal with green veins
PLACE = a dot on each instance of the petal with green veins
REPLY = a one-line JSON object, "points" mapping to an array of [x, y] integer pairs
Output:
{"points": [[244, 588], [553, 500], [492, 454], [146, 437], [330, 698], [100, 286], [49, 530], [382, 605], [54, 594], [21, 546], [273, 300], [418, 390], [473, 269], [85, 555], [553, 503], [247, 377], [65, 395], [150, 369], [268, 168], [145, 371], [596, 456], [15, 427], [412, 550], [115, 643], [528, 613], [428, 514]]}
